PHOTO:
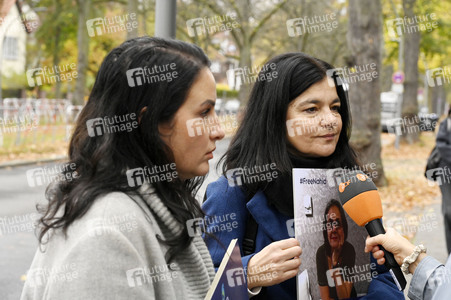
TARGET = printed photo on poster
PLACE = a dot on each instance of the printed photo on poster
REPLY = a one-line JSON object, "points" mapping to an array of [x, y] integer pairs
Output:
{"points": [[334, 265]]}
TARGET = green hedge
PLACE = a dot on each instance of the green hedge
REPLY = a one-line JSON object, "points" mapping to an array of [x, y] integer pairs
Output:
{"points": [[225, 93]]}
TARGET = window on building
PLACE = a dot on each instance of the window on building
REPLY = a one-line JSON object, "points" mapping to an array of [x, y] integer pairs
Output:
{"points": [[10, 48]]}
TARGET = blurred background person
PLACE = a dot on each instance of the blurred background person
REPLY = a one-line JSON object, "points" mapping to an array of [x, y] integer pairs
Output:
{"points": [[443, 142], [336, 252]]}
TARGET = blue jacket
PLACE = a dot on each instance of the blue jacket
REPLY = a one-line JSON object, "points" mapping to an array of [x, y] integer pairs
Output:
{"points": [[229, 203]]}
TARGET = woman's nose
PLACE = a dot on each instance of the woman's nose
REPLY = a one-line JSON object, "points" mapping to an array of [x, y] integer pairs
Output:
{"points": [[329, 119], [216, 131]]}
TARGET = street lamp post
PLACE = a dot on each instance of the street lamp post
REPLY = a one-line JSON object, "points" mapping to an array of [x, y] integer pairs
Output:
{"points": [[1, 55], [165, 12]]}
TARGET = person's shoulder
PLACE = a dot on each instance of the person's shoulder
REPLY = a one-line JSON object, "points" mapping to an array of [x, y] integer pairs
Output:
{"points": [[348, 247], [444, 124], [114, 204], [321, 251], [222, 186], [221, 197], [116, 213]]}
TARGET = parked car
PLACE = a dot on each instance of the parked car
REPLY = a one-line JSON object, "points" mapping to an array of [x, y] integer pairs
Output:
{"points": [[391, 111], [391, 106], [219, 106], [232, 106]]}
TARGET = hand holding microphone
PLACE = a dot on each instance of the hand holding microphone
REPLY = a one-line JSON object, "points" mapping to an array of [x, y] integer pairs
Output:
{"points": [[396, 244], [362, 202]]}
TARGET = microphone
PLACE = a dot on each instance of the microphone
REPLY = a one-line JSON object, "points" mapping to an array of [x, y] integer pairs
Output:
{"points": [[360, 199]]}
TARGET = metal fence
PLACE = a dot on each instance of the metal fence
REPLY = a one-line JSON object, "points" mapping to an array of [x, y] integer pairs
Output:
{"points": [[20, 116]]}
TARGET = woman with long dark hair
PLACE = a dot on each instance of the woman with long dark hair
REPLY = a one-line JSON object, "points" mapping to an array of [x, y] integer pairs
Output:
{"points": [[336, 252], [298, 119], [118, 229]]}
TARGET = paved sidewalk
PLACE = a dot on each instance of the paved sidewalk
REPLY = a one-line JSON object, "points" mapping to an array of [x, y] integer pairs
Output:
{"points": [[433, 239], [18, 163]]}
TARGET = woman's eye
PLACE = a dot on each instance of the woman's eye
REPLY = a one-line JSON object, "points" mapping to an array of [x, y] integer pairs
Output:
{"points": [[336, 108], [205, 112], [311, 109]]}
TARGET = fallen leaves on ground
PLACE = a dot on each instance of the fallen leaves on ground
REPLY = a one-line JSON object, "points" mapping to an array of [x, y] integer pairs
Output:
{"points": [[408, 192]]}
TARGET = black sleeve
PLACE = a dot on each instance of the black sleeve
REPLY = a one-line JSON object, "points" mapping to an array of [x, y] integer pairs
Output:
{"points": [[321, 266], [348, 255], [444, 141]]}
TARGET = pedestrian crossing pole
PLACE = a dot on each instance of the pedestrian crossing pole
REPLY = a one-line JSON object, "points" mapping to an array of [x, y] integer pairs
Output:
{"points": [[165, 12]]}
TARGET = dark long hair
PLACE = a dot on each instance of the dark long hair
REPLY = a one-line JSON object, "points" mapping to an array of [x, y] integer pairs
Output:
{"points": [[343, 220], [262, 136], [101, 161]]}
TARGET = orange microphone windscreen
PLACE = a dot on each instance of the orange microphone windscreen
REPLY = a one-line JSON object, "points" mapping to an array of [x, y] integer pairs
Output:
{"points": [[360, 198]]}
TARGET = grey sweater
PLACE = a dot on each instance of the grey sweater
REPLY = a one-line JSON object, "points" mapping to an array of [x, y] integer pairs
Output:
{"points": [[112, 252]]}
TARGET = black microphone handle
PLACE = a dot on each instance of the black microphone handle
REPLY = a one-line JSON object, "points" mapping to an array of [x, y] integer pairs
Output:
{"points": [[374, 228]]}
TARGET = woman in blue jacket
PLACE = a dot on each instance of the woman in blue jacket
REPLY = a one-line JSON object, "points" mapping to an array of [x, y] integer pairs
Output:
{"points": [[299, 118]]}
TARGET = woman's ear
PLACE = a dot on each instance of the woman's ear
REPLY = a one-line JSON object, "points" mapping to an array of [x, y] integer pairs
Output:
{"points": [[143, 110]]}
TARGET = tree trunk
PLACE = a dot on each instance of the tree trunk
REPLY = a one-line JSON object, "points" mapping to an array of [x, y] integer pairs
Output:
{"points": [[56, 61], [83, 51], [364, 40], [411, 132], [245, 50]]}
